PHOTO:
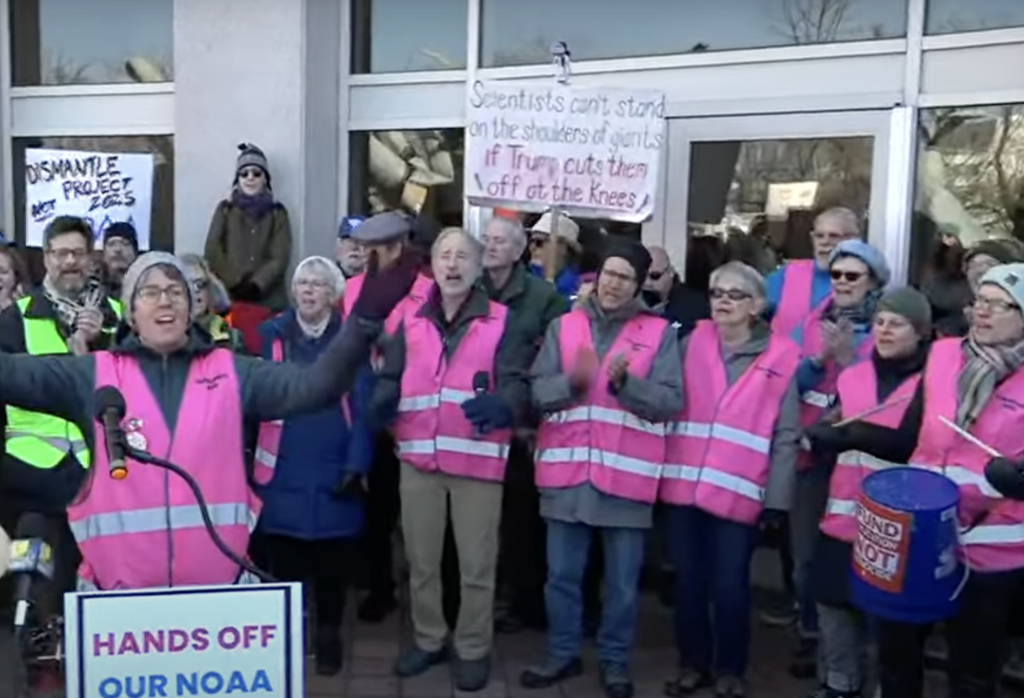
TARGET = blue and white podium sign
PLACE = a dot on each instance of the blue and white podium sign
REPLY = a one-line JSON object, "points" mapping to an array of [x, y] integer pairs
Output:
{"points": [[188, 641]]}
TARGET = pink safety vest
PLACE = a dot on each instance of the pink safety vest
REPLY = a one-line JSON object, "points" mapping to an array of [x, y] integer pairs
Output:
{"points": [[268, 443], [992, 534], [795, 301], [431, 432], [719, 451], [858, 391], [146, 530], [597, 440], [814, 402]]}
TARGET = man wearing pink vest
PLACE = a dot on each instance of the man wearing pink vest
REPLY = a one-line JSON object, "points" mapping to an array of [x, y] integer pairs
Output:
{"points": [[185, 401], [799, 286], [901, 332], [606, 381], [454, 377], [729, 467], [976, 383]]}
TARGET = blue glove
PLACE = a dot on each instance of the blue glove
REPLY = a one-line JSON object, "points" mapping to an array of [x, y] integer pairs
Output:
{"points": [[487, 412]]}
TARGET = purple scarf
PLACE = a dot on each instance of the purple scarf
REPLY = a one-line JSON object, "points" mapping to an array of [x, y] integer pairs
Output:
{"points": [[253, 206]]}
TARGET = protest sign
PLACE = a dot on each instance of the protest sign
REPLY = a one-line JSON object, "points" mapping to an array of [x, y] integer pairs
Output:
{"points": [[185, 641], [103, 188], [592, 152]]}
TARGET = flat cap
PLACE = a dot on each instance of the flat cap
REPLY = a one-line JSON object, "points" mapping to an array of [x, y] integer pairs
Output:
{"points": [[383, 228]]}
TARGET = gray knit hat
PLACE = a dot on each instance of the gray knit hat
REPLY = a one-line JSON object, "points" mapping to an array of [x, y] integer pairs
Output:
{"points": [[1010, 278], [911, 304], [137, 271], [252, 156]]}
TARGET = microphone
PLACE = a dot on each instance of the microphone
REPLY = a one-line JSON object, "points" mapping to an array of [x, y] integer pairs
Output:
{"points": [[110, 410], [481, 383], [1006, 477], [31, 557]]}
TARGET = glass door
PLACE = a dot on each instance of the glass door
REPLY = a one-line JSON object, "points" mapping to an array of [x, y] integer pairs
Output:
{"points": [[758, 180]]}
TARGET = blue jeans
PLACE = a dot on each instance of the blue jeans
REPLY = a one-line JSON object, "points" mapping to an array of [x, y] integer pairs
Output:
{"points": [[568, 548], [712, 590]]}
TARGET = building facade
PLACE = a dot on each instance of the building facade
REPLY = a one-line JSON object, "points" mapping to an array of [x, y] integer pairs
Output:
{"points": [[910, 111]]}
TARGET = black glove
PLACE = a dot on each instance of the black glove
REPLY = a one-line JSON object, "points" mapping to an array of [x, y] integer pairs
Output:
{"points": [[246, 291], [826, 438], [383, 289], [487, 412], [1006, 476]]}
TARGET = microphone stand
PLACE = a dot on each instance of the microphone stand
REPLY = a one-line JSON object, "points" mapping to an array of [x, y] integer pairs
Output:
{"points": [[204, 510]]}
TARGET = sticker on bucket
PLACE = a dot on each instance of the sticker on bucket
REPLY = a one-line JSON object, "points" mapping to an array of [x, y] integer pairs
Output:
{"points": [[883, 540]]}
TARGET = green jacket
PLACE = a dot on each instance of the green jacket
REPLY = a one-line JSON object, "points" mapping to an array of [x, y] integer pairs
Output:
{"points": [[534, 303]]}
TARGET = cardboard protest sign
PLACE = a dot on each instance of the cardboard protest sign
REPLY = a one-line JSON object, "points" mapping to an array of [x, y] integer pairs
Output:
{"points": [[592, 152], [103, 188]]}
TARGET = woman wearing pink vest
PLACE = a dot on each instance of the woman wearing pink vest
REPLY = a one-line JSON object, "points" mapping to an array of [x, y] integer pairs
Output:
{"points": [[186, 401], [606, 381], [454, 376], [729, 461], [837, 334], [977, 383], [901, 331]]}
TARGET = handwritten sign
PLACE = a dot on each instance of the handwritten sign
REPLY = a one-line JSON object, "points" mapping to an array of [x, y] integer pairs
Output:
{"points": [[883, 542], [190, 641], [592, 152], [103, 188]]}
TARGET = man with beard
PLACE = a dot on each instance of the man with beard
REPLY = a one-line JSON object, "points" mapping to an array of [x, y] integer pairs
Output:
{"points": [[120, 248], [68, 314]]}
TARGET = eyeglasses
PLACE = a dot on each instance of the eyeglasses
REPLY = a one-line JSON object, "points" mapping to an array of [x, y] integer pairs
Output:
{"points": [[655, 275], [993, 305], [65, 254], [850, 276], [733, 294], [316, 284], [832, 235], [151, 295], [200, 285], [253, 172]]}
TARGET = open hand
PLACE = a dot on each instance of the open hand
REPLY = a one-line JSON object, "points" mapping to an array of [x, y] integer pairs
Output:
{"points": [[385, 285]]}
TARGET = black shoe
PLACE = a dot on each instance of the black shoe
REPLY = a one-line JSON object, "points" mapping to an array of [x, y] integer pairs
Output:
{"points": [[376, 607], [549, 673], [471, 674], [687, 682], [327, 650], [615, 680], [415, 661]]}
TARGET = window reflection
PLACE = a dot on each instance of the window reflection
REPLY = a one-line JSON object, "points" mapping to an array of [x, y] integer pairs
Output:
{"points": [[519, 32], [162, 216], [411, 170], [948, 16], [397, 36], [970, 180], [73, 42]]}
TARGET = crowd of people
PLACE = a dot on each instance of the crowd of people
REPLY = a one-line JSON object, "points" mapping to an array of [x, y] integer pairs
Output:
{"points": [[524, 390]]}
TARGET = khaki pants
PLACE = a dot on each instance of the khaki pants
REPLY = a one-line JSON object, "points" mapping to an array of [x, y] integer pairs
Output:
{"points": [[476, 513]]}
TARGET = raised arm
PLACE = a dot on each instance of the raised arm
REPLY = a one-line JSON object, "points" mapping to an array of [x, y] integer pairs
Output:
{"points": [[59, 385]]}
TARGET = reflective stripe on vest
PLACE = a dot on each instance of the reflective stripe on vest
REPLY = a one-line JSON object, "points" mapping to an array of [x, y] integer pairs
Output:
{"points": [[992, 535], [599, 442], [41, 440], [128, 522], [719, 451], [431, 431], [857, 388]]}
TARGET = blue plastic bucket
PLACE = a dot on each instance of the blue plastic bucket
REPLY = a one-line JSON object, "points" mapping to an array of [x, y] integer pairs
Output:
{"points": [[905, 565]]}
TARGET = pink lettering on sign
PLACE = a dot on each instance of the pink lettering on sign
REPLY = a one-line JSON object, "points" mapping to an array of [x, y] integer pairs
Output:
{"points": [[883, 542]]}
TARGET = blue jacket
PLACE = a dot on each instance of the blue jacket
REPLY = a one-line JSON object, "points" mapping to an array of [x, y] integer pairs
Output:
{"points": [[317, 449], [567, 283]]}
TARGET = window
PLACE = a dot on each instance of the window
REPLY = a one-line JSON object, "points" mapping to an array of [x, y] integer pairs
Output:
{"points": [[162, 214], [520, 32], [948, 16], [74, 42], [410, 170], [398, 36]]}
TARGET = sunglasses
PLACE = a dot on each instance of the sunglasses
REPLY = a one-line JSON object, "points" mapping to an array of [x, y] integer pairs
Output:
{"points": [[537, 243], [251, 172], [655, 275], [850, 276], [733, 294]]}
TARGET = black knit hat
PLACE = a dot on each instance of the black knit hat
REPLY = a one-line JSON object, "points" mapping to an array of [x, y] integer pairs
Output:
{"points": [[124, 231], [634, 253]]}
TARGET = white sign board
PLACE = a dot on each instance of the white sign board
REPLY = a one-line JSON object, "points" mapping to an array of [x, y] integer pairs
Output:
{"points": [[188, 641], [783, 197], [103, 188], [592, 152]]}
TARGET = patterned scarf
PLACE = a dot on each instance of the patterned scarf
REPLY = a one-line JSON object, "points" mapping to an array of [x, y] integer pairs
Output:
{"points": [[861, 314], [67, 309], [986, 367]]}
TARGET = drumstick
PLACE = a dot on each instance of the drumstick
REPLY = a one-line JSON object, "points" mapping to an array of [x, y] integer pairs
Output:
{"points": [[970, 437], [872, 410]]}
